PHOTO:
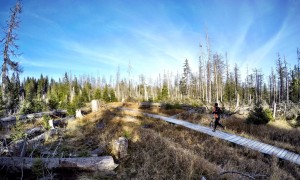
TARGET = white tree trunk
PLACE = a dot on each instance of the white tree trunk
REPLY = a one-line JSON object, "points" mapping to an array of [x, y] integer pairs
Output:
{"points": [[104, 163], [274, 109], [95, 105]]}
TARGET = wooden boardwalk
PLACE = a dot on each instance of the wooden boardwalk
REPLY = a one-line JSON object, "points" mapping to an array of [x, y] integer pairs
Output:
{"points": [[252, 144]]}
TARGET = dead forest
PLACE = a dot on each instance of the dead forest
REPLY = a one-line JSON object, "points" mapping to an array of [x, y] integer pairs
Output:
{"points": [[73, 127]]}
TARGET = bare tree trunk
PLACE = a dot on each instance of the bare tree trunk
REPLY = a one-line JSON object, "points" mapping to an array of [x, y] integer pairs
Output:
{"points": [[104, 163], [286, 81], [9, 50], [237, 101], [274, 109]]}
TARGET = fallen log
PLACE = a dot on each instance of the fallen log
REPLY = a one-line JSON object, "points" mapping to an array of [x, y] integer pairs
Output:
{"points": [[145, 105], [103, 163], [12, 119]]}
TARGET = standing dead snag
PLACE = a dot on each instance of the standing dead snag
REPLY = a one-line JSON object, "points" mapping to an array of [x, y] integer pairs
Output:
{"points": [[8, 51]]}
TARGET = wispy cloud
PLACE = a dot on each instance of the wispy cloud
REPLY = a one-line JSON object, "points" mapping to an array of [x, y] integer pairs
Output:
{"points": [[257, 59]]}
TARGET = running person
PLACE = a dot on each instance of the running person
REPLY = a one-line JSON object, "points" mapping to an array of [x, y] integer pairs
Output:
{"points": [[217, 112]]}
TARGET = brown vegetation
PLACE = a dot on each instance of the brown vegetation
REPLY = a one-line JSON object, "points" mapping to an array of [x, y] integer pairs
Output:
{"points": [[159, 150], [276, 133]]}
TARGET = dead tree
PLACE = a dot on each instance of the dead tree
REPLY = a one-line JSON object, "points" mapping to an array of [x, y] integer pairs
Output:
{"points": [[102, 164], [9, 47], [280, 71]]}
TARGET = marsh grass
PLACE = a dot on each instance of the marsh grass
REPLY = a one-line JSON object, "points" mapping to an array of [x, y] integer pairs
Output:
{"points": [[277, 133], [159, 150]]}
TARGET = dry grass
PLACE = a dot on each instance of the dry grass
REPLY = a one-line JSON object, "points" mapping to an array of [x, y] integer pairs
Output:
{"points": [[277, 133], [159, 150]]}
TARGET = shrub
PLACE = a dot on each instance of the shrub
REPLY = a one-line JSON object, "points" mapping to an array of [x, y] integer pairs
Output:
{"points": [[84, 153], [169, 106], [127, 134], [46, 119], [31, 106], [259, 116], [53, 104], [37, 167]]}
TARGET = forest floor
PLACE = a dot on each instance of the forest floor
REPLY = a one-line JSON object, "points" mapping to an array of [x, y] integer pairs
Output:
{"points": [[160, 150]]}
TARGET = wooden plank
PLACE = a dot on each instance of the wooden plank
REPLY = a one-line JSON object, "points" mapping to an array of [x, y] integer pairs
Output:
{"points": [[283, 154], [298, 160], [295, 158], [280, 151], [261, 146], [272, 150], [246, 142], [233, 138], [220, 135], [287, 156], [267, 149], [237, 139], [225, 134], [241, 141], [230, 137], [292, 157], [253, 145], [256, 145]]}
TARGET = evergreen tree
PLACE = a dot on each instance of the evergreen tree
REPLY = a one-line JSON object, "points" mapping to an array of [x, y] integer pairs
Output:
{"points": [[97, 94], [184, 82], [293, 90], [106, 95]]}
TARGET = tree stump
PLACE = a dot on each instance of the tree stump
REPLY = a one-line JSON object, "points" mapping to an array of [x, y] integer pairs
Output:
{"points": [[51, 123], [79, 114], [95, 105], [120, 147]]}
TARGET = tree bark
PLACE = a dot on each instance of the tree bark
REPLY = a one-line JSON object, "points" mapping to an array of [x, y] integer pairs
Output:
{"points": [[12, 119], [274, 109], [104, 163]]}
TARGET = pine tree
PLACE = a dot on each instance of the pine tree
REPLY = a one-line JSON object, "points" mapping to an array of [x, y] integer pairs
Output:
{"points": [[97, 94], [185, 79], [293, 89]]}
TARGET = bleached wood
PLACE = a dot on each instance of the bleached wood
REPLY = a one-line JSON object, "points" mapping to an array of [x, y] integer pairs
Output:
{"points": [[12, 119], [104, 163]]}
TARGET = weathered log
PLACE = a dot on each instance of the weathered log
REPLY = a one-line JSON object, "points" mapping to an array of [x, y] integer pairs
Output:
{"points": [[12, 119], [34, 131], [103, 163], [144, 105], [63, 122]]}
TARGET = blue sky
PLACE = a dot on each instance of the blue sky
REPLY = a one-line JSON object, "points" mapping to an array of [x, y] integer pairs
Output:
{"points": [[95, 36]]}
